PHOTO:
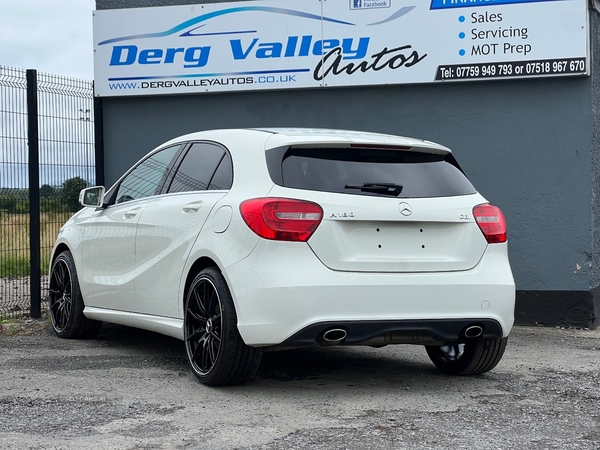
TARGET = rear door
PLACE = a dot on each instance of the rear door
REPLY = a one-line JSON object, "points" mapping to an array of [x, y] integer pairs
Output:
{"points": [[170, 224], [386, 210]]}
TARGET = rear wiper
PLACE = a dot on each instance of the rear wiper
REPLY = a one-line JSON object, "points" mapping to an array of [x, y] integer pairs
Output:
{"points": [[384, 188]]}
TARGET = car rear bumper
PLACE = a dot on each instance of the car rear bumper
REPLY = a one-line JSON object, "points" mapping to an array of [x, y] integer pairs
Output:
{"points": [[377, 333], [282, 289]]}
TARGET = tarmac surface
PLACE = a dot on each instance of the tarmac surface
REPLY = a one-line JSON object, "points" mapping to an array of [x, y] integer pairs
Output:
{"points": [[132, 389]]}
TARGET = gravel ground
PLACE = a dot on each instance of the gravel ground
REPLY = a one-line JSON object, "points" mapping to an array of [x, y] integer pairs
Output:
{"points": [[132, 389]]}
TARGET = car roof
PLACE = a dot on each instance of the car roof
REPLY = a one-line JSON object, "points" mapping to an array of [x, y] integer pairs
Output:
{"points": [[268, 138]]}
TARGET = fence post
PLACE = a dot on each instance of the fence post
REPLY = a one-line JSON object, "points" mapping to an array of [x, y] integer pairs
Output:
{"points": [[34, 194], [99, 141]]}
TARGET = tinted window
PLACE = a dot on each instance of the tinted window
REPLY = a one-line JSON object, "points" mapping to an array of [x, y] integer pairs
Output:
{"points": [[146, 178], [223, 177], [197, 168], [346, 170]]}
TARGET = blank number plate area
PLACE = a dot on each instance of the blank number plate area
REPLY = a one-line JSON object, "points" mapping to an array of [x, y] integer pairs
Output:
{"points": [[398, 246]]}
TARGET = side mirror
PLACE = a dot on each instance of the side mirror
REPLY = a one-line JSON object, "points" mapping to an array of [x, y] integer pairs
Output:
{"points": [[92, 197]]}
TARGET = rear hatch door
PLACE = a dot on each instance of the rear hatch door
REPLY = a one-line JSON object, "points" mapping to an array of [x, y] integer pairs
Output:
{"points": [[386, 210]]}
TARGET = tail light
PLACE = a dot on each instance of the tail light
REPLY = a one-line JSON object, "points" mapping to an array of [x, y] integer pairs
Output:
{"points": [[282, 219], [491, 222]]}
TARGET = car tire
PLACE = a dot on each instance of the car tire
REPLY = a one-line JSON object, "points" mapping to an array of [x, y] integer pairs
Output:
{"points": [[65, 303], [469, 358], [216, 352]]}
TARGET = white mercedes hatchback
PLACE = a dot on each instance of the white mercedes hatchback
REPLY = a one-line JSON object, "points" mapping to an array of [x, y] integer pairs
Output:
{"points": [[241, 241]]}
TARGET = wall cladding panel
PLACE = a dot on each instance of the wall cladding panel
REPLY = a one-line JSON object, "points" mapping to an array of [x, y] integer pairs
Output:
{"points": [[524, 144]]}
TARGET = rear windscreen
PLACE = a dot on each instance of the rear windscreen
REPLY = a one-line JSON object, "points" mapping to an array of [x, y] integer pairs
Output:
{"points": [[367, 171]]}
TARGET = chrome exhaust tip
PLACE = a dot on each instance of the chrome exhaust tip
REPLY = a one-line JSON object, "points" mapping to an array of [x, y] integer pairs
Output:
{"points": [[333, 336], [473, 331]]}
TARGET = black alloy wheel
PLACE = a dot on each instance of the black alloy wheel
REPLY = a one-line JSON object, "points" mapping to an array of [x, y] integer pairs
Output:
{"points": [[65, 302], [61, 295], [451, 352], [203, 326], [471, 357], [216, 352]]}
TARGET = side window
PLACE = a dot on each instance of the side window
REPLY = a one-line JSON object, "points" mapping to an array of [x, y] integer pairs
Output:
{"points": [[223, 177], [144, 180], [198, 167]]}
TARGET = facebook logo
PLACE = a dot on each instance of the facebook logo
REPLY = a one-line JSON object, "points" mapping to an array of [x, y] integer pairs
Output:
{"points": [[370, 4]]}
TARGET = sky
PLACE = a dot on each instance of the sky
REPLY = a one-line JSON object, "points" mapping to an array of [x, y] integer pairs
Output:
{"points": [[52, 36]]}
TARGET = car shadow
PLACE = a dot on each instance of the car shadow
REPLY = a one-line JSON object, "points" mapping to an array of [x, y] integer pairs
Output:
{"points": [[338, 362], [349, 365]]}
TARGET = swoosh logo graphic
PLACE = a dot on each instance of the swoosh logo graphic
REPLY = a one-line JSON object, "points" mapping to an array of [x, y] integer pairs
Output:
{"points": [[223, 12], [190, 33], [401, 12]]}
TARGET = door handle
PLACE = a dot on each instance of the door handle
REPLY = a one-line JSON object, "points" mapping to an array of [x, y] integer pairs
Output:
{"points": [[130, 214], [192, 207]]}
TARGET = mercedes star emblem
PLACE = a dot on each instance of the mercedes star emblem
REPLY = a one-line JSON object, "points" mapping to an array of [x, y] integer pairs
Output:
{"points": [[405, 209]]}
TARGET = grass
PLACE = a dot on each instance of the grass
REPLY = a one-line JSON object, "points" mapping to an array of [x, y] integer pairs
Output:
{"points": [[8, 321], [14, 241]]}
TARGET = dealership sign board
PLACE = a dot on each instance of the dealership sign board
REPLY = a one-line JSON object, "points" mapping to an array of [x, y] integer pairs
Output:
{"points": [[285, 44]]}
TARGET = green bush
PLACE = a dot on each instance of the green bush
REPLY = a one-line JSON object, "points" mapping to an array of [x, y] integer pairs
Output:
{"points": [[69, 194]]}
